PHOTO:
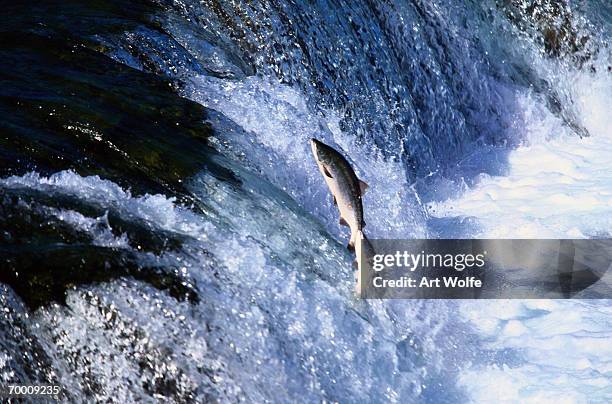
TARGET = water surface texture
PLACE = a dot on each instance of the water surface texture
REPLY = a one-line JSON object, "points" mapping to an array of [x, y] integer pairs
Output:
{"points": [[165, 234]]}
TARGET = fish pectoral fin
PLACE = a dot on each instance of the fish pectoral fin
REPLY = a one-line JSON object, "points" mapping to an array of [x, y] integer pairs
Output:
{"points": [[363, 187], [326, 172], [343, 222]]}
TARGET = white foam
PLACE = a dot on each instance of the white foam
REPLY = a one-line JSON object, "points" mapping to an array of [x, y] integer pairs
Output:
{"points": [[158, 210], [276, 319], [279, 125], [99, 227], [557, 185], [564, 349]]}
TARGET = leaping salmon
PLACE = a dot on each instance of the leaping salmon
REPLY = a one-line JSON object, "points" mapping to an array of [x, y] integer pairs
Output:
{"points": [[344, 186]]}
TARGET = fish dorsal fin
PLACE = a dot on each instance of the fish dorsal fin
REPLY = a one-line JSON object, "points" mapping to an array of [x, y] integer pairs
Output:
{"points": [[363, 187], [326, 172], [335, 201], [343, 222]]}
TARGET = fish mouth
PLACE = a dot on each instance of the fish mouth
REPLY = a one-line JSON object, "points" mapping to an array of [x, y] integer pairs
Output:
{"points": [[313, 146]]}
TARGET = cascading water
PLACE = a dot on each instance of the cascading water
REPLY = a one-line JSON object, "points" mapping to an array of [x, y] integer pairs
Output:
{"points": [[165, 233]]}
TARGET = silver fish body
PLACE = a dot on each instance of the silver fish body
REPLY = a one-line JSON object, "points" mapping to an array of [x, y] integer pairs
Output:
{"points": [[344, 186]]}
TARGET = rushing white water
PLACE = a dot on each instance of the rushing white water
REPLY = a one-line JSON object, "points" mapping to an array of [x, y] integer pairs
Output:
{"points": [[278, 126], [557, 185], [276, 302], [562, 351]]}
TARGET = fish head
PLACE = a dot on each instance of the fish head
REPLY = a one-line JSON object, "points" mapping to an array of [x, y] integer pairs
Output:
{"points": [[322, 152]]}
